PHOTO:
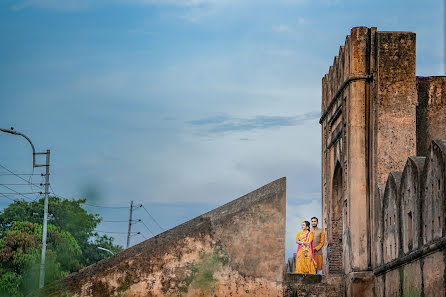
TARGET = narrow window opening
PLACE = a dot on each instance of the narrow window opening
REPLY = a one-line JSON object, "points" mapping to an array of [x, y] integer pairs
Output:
{"points": [[439, 222], [432, 228], [409, 229]]}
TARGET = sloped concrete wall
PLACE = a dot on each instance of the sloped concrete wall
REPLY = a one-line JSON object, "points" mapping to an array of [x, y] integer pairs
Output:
{"points": [[235, 250]]}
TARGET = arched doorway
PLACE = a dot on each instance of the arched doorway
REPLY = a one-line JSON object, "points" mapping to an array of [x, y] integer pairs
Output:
{"points": [[334, 248]]}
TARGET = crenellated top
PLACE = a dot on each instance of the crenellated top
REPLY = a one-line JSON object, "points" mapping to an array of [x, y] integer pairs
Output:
{"points": [[348, 65], [414, 204]]}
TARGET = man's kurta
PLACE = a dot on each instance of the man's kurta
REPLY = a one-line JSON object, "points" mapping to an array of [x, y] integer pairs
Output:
{"points": [[319, 241]]}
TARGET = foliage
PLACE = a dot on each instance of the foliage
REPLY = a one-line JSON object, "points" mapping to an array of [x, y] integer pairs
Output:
{"points": [[20, 249], [9, 284], [68, 215], [95, 254]]}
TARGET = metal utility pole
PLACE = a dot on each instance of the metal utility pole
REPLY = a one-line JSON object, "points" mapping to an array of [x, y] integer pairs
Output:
{"points": [[130, 224], [45, 220], [45, 213]]}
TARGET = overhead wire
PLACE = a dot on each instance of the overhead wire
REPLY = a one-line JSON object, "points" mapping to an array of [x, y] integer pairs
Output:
{"points": [[18, 175], [152, 217], [18, 193], [147, 227], [8, 197], [113, 232]]}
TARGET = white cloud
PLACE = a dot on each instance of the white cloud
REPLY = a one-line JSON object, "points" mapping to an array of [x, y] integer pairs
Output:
{"points": [[281, 28]]}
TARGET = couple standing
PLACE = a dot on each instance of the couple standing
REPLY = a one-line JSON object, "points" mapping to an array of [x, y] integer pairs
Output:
{"points": [[309, 250]]}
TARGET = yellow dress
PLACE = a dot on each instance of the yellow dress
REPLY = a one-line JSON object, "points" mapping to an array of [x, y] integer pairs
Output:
{"points": [[304, 255]]}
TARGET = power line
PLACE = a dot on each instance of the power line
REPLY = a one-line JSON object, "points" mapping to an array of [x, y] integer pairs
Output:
{"points": [[16, 184], [135, 233], [21, 193], [114, 221], [18, 193], [17, 175], [151, 217], [92, 205], [147, 227], [8, 197], [113, 232]]}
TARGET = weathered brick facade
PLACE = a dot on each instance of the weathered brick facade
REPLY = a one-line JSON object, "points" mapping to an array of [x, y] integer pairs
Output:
{"points": [[377, 116], [237, 249]]}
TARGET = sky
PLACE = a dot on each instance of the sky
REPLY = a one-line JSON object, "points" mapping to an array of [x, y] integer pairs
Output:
{"points": [[180, 106]]}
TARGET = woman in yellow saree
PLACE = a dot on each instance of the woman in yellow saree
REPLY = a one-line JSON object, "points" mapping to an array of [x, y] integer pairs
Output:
{"points": [[305, 262]]}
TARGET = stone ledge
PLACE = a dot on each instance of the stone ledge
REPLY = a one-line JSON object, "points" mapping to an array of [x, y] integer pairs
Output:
{"points": [[312, 285], [302, 278]]}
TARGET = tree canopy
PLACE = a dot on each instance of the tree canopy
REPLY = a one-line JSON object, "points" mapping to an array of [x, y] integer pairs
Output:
{"points": [[72, 243], [20, 252], [69, 216]]}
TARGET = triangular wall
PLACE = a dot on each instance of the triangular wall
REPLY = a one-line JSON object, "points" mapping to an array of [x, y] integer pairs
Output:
{"points": [[237, 249]]}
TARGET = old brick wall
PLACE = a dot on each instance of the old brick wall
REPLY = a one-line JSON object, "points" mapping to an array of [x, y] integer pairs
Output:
{"points": [[235, 250], [306, 285], [431, 111], [416, 267], [377, 115], [391, 217]]}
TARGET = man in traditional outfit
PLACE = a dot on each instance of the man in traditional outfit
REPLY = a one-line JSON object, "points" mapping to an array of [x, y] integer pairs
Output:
{"points": [[319, 241]]}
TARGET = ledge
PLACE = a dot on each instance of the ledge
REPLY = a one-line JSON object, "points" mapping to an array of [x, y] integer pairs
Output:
{"points": [[302, 278], [434, 246]]}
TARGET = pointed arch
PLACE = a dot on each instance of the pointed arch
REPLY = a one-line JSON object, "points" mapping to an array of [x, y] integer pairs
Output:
{"points": [[335, 247]]}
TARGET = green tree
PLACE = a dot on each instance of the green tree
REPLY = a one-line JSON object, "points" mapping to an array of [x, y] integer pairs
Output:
{"points": [[95, 254], [68, 215], [20, 248]]}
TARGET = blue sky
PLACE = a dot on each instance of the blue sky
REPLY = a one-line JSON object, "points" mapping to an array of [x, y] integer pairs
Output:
{"points": [[182, 105]]}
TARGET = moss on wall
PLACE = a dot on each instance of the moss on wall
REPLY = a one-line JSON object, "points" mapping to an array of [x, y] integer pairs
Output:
{"points": [[202, 272]]}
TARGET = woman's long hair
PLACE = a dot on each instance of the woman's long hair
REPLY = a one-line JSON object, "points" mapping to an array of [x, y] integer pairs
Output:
{"points": [[307, 224]]}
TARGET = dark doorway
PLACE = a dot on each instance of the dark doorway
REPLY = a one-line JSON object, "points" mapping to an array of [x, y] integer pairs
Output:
{"points": [[334, 248]]}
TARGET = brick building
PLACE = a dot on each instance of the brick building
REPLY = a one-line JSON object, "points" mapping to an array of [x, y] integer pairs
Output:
{"points": [[383, 168]]}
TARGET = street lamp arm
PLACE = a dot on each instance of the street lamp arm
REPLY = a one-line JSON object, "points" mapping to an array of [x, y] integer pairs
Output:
{"points": [[45, 204], [11, 131], [104, 249]]}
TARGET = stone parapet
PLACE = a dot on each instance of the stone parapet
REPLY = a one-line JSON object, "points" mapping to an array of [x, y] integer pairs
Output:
{"points": [[305, 285]]}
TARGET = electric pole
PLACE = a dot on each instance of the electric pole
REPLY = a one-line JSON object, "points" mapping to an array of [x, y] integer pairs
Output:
{"points": [[45, 220], [45, 213], [130, 224]]}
